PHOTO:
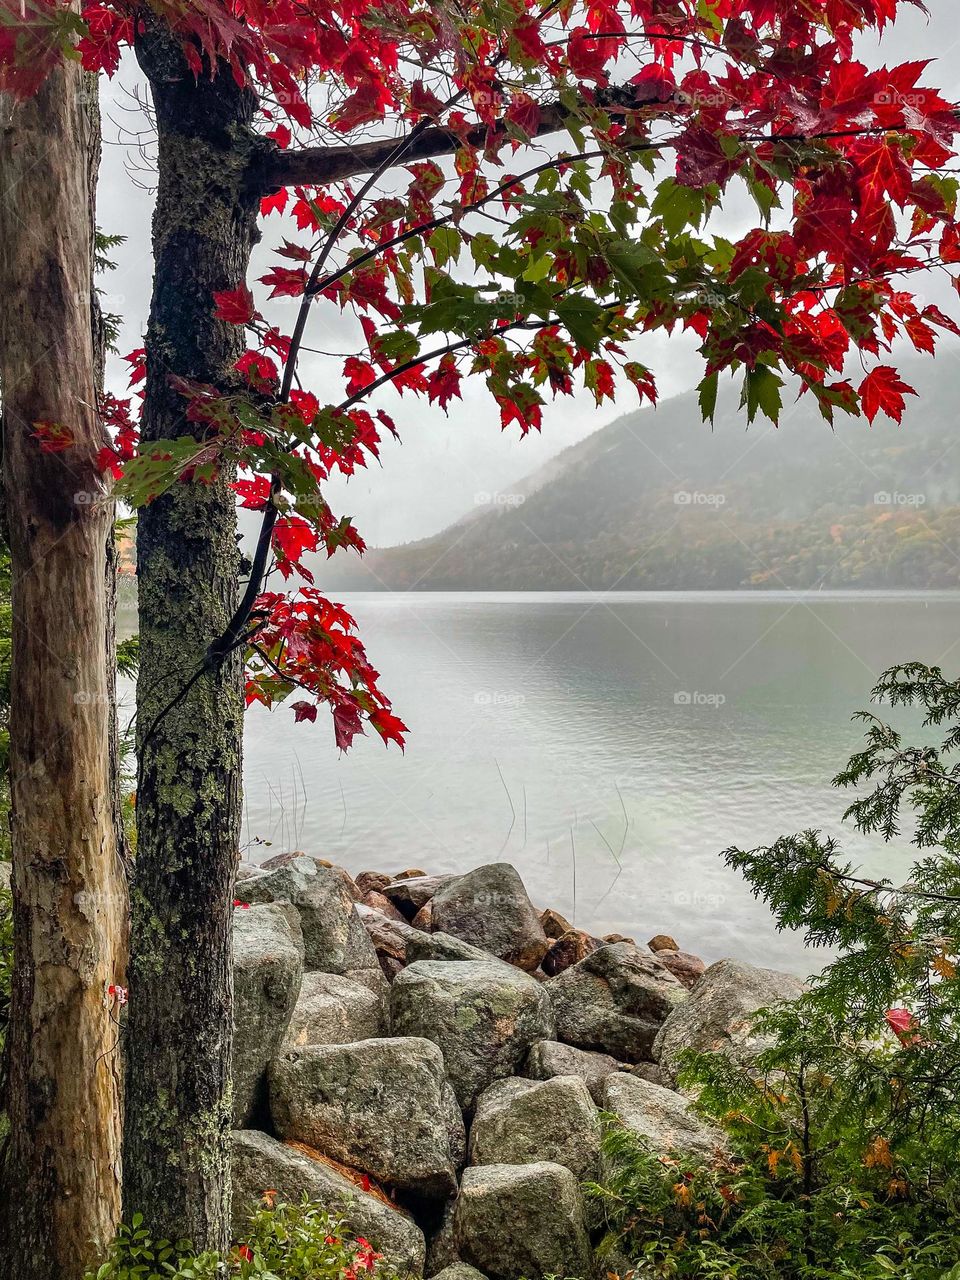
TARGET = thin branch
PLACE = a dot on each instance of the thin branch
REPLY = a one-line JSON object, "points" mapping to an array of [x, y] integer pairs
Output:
{"points": [[223, 644], [459, 345], [316, 166]]}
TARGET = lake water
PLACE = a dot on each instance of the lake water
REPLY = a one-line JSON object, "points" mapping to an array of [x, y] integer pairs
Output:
{"points": [[610, 747]]}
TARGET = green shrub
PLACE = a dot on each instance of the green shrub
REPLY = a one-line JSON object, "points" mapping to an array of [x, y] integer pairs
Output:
{"points": [[743, 1221], [286, 1242], [136, 1256]]}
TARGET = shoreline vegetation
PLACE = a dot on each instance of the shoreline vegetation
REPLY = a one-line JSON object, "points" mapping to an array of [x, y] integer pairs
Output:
{"points": [[434, 1077]]}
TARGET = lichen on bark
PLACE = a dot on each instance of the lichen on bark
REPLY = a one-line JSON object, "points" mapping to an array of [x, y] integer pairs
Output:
{"points": [[188, 796]]}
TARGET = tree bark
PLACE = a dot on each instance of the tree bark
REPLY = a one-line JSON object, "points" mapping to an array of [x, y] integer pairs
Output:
{"points": [[189, 715], [64, 1089]]}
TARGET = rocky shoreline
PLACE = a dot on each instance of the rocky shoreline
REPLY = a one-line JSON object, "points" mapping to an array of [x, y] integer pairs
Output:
{"points": [[429, 1056]]}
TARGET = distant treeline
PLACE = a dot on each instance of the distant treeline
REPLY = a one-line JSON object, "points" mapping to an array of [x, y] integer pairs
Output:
{"points": [[657, 500]]}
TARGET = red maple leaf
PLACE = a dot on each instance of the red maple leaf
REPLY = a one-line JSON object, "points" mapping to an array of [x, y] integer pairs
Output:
{"points": [[588, 57], [390, 727], [443, 385], [359, 374], [54, 437], [235, 306], [883, 389], [903, 1025], [367, 103], [524, 112], [252, 493], [285, 282], [292, 537], [346, 724], [275, 203]]}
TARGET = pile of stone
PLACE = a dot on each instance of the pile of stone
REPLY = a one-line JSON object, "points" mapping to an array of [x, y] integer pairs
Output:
{"points": [[428, 1056]]}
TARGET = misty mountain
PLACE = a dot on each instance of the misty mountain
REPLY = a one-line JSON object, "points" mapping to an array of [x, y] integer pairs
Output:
{"points": [[659, 500]]}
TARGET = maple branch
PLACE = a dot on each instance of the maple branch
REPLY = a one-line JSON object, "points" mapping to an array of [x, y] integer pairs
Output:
{"points": [[314, 166], [284, 675], [234, 632], [237, 624], [458, 345], [399, 148], [475, 206]]}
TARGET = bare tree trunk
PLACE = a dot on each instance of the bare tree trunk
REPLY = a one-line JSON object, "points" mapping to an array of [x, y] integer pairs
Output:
{"points": [[189, 717], [63, 1162]]}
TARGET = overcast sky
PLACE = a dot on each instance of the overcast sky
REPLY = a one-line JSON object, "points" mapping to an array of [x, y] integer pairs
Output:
{"points": [[444, 464]]}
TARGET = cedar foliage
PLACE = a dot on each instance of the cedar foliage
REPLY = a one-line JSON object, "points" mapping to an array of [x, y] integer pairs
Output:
{"points": [[845, 1129]]}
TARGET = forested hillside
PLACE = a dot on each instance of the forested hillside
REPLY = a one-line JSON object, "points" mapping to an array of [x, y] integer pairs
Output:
{"points": [[656, 500]]}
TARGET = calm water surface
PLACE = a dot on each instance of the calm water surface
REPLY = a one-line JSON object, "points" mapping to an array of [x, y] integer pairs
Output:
{"points": [[609, 746]]}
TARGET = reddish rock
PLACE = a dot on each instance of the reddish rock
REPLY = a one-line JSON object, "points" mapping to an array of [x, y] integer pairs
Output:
{"points": [[379, 903], [573, 947], [413, 892], [554, 924], [684, 966], [387, 934], [424, 918], [409, 873], [390, 966], [372, 881], [663, 942], [611, 938]]}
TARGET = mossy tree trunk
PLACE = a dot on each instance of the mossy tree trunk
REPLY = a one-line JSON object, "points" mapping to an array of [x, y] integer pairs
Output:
{"points": [[189, 717], [62, 1193]]}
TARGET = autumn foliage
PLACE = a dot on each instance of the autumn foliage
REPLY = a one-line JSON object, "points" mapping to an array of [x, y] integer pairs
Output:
{"points": [[518, 193]]}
